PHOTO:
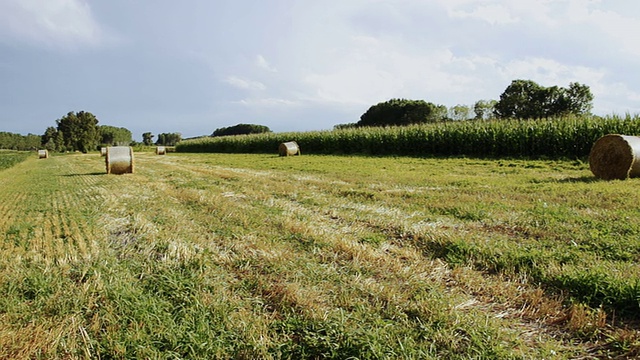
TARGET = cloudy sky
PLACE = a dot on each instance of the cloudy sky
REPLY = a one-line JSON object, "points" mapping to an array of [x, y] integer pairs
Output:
{"points": [[193, 66]]}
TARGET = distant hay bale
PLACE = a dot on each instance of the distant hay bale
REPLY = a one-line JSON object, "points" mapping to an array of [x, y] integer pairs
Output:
{"points": [[289, 149], [103, 151], [615, 157], [161, 150], [43, 154], [119, 160]]}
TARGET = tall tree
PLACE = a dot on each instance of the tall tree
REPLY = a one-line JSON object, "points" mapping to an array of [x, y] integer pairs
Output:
{"points": [[402, 112], [49, 139], [483, 109], [460, 112], [525, 99], [147, 138], [169, 139], [111, 135], [79, 131], [580, 98]]}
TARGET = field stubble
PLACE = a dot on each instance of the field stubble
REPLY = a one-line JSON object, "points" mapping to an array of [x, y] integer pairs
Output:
{"points": [[256, 256]]}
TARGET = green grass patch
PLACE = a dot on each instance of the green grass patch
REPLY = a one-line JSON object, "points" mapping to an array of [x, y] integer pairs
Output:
{"points": [[9, 158], [258, 256]]}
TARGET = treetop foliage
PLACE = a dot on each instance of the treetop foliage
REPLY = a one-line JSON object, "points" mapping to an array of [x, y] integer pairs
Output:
{"points": [[117, 136], [402, 112], [79, 131], [19, 142], [241, 129], [74, 132], [525, 99], [169, 139]]}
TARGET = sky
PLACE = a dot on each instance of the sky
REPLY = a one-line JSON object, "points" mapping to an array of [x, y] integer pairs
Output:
{"points": [[193, 66]]}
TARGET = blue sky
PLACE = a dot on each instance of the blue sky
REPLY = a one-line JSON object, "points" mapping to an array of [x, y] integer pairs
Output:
{"points": [[193, 66]]}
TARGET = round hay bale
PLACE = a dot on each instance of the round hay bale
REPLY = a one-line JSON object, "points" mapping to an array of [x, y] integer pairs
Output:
{"points": [[161, 150], [103, 151], [43, 154], [119, 160], [289, 149], [615, 156]]}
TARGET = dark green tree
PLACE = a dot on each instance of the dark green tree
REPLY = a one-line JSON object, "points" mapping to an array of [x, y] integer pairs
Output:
{"points": [[20, 142], [79, 131], [402, 112], [525, 99], [111, 135], [241, 129], [169, 139], [580, 99], [147, 138], [49, 139]]}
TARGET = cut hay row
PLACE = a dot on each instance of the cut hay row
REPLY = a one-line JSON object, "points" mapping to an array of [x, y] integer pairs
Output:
{"points": [[119, 160]]}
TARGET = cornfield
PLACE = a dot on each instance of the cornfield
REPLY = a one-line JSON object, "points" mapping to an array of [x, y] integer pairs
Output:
{"points": [[559, 137]]}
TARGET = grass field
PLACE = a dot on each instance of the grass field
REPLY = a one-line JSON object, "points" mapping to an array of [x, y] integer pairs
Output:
{"points": [[257, 256]]}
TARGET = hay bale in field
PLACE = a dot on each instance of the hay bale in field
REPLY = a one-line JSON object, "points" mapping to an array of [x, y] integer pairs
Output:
{"points": [[43, 154], [119, 160], [289, 149], [103, 151], [615, 156], [161, 150]]}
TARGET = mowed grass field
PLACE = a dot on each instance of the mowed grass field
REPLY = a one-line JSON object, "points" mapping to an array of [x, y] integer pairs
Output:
{"points": [[261, 257]]}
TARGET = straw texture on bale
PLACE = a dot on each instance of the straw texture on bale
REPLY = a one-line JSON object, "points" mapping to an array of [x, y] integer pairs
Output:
{"points": [[289, 149], [119, 160], [615, 156], [161, 150], [103, 151], [43, 154]]}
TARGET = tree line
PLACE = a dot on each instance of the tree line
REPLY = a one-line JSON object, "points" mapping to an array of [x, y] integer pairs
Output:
{"points": [[522, 99], [19, 142], [80, 131]]}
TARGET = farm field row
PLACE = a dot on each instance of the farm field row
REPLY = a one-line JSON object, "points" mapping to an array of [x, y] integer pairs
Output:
{"points": [[257, 256]]}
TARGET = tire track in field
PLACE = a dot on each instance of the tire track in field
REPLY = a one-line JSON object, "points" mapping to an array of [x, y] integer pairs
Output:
{"points": [[74, 210]]}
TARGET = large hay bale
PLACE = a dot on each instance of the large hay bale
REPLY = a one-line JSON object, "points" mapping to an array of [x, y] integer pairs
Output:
{"points": [[289, 149], [103, 151], [119, 160], [615, 157], [43, 154], [161, 150]]}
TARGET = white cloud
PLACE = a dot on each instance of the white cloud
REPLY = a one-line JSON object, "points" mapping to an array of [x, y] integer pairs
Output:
{"points": [[548, 72], [266, 102], [244, 84], [68, 23], [492, 13], [621, 29], [262, 63]]}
